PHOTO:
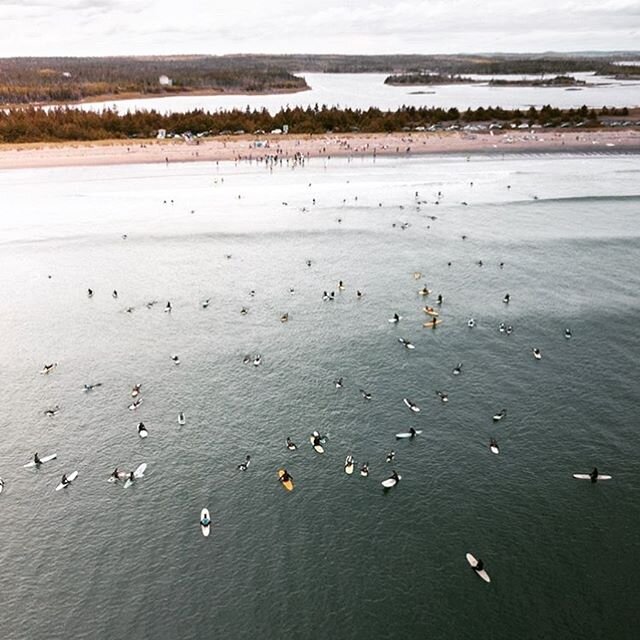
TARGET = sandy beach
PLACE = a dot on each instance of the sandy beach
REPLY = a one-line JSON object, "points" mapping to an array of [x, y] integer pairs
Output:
{"points": [[247, 147]]}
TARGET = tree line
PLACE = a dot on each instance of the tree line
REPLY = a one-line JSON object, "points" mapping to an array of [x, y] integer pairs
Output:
{"points": [[67, 124]]}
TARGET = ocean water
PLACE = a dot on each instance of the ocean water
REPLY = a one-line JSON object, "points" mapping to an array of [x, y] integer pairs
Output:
{"points": [[338, 557], [364, 90]]}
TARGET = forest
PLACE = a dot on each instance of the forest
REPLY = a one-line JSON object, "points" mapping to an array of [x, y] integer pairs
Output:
{"points": [[33, 124]]}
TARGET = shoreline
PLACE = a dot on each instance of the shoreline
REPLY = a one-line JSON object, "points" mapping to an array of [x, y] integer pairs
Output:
{"points": [[254, 148], [138, 95]]}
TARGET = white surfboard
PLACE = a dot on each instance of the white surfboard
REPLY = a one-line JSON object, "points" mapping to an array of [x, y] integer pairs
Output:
{"points": [[206, 528], [143, 433], [181, 419], [473, 563], [349, 465], [494, 448], [411, 405], [1, 485], [318, 447], [138, 473], [390, 482], [71, 477], [406, 434], [586, 476], [52, 456]]}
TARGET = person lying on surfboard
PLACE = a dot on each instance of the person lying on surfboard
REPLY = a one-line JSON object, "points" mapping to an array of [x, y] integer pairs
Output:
{"points": [[285, 477], [480, 566]]}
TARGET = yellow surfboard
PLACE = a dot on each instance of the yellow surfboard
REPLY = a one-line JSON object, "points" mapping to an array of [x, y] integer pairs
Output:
{"points": [[288, 484]]}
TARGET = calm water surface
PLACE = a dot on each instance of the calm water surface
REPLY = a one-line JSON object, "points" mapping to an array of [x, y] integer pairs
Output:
{"points": [[364, 90], [337, 557]]}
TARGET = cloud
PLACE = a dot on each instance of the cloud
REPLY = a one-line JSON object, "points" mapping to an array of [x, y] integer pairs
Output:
{"points": [[120, 27]]}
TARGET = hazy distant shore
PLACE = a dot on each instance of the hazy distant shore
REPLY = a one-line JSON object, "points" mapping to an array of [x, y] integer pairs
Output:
{"points": [[247, 147]]}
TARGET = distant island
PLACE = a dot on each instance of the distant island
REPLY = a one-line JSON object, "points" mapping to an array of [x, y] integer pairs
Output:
{"points": [[413, 79]]}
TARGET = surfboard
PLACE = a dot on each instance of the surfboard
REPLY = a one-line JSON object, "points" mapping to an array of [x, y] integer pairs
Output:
{"points": [[494, 449], [431, 324], [473, 563], [586, 476], [138, 473], [407, 434], [390, 482], [431, 312], [1, 485], [71, 477], [143, 433], [318, 447], [424, 292], [52, 456], [288, 484], [349, 465], [395, 319], [206, 528], [410, 404], [181, 419], [364, 472]]}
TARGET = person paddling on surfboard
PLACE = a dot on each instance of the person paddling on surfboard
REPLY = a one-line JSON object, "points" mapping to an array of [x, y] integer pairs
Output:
{"points": [[64, 480], [594, 475], [116, 474], [205, 522], [36, 459], [317, 441], [479, 567], [413, 432], [285, 477]]}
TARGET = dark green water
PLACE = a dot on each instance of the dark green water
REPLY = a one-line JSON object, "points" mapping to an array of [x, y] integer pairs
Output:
{"points": [[337, 557]]}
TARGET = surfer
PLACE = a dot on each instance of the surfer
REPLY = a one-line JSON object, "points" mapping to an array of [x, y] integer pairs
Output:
{"points": [[206, 521], [424, 291], [176, 359], [338, 383], [395, 476], [391, 455], [567, 333], [365, 394], [506, 298], [364, 471], [479, 566], [359, 294], [141, 427], [317, 440], [439, 300], [291, 445], [90, 293], [115, 293], [594, 475], [285, 477], [413, 432], [64, 482], [396, 318], [168, 307], [36, 459], [131, 476], [243, 466], [115, 474], [458, 369]]}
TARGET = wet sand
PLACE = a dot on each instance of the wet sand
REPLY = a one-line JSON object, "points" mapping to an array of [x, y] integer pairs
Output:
{"points": [[248, 147]]}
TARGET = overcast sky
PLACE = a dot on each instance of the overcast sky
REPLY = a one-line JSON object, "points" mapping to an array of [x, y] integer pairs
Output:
{"points": [[121, 27]]}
